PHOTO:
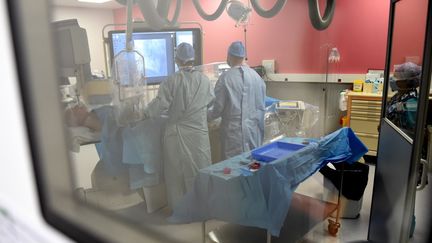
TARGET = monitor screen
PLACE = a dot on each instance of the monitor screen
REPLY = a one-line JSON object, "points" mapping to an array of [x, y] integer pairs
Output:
{"points": [[158, 49]]}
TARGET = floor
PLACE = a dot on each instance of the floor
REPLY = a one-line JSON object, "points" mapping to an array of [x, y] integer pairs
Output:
{"points": [[351, 230], [423, 212]]}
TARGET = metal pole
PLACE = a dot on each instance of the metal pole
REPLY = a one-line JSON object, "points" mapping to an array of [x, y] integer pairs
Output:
{"points": [[340, 193], [326, 90], [203, 231], [268, 237], [245, 41]]}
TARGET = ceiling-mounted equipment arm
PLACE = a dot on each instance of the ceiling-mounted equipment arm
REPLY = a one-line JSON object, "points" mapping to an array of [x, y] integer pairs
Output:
{"points": [[318, 22], [210, 17], [268, 13], [157, 16]]}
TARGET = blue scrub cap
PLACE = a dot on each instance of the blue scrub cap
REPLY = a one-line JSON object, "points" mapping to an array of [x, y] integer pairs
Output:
{"points": [[237, 49], [185, 52]]}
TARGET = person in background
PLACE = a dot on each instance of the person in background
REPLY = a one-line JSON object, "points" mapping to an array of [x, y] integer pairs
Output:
{"points": [[239, 101], [184, 98]]}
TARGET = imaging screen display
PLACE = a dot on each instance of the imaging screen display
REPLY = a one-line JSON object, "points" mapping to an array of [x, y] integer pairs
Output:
{"points": [[158, 49]]}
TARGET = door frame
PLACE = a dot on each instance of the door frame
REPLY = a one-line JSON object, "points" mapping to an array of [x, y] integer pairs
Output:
{"points": [[422, 108]]}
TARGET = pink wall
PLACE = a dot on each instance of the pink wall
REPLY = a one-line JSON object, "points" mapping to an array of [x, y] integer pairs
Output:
{"points": [[409, 31], [290, 39], [359, 30]]}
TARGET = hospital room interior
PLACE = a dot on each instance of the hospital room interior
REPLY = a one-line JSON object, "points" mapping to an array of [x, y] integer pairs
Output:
{"points": [[230, 121]]}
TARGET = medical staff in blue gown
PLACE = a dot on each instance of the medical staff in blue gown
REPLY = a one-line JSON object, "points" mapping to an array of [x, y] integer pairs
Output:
{"points": [[184, 98], [240, 94]]}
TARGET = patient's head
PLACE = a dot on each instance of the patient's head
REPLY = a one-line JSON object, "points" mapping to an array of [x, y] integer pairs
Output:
{"points": [[80, 116]]}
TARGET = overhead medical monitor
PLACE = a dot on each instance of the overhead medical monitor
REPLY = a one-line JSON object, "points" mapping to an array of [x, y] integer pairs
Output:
{"points": [[158, 49]]}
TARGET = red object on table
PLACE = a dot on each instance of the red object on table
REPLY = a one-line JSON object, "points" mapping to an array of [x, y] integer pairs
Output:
{"points": [[227, 170], [254, 166]]}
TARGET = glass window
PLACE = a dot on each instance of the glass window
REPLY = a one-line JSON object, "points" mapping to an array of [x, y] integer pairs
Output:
{"points": [[406, 64]]}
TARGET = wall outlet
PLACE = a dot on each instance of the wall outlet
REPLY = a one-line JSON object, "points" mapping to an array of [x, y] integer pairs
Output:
{"points": [[269, 65]]}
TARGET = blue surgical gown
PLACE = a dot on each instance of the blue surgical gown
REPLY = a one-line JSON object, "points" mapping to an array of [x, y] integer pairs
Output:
{"points": [[184, 97], [240, 94]]}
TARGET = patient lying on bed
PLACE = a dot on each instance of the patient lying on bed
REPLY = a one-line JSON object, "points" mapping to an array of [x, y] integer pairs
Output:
{"points": [[79, 116], [130, 161]]}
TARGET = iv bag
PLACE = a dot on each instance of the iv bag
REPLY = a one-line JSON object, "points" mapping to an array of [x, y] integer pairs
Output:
{"points": [[130, 90], [334, 55]]}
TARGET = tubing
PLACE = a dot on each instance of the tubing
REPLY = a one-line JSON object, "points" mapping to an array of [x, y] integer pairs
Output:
{"points": [[268, 13], [151, 16], [176, 13], [318, 22], [163, 7], [213, 16]]}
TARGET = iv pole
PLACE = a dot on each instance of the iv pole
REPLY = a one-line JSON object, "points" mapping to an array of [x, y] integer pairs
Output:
{"points": [[332, 56]]}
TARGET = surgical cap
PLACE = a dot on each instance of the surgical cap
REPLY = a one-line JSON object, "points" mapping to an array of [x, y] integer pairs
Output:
{"points": [[237, 49], [185, 52]]}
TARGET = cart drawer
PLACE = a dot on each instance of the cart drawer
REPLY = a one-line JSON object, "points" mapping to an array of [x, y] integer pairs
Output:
{"points": [[371, 109], [364, 125], [368, 103], [365, 114]]}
